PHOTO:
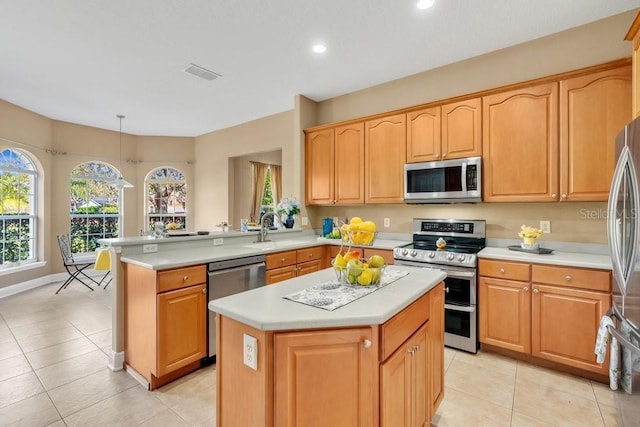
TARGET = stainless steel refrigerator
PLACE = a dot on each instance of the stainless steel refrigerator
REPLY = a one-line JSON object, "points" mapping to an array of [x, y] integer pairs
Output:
{"points": [[623, 222]]}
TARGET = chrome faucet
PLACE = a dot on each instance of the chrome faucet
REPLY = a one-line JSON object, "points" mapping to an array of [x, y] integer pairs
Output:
{"points": [[262, 237]]}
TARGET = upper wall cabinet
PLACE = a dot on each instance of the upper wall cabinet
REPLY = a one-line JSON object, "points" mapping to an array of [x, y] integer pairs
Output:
{"points": [[593, 109], [335, 165], [450, 131], [520, 145], [634, 36], [385, 154]]}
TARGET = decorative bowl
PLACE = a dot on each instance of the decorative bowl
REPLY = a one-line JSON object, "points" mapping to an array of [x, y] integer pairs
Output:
{"points": [[358, 276], [360, 238]]}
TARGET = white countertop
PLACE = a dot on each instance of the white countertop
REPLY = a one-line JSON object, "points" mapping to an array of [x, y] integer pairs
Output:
{"points": [[569, 259], [265, 308], [166, 259]]}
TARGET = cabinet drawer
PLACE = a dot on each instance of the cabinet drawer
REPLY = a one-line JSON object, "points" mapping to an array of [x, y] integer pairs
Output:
{"points": [[582, 278], [396, 330], [505, 270], [387, 254], [280, 259], [178, 278], [309, 254]]}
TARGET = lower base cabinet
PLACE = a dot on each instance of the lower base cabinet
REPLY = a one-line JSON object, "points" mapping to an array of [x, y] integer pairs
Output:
{"points": [[388, 375]]}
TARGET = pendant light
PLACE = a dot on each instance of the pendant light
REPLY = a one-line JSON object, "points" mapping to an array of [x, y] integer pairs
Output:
{"points": [[120, 182]]}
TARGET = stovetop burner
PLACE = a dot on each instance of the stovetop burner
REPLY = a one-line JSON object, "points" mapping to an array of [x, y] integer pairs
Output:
{"points": [[447, 242]]}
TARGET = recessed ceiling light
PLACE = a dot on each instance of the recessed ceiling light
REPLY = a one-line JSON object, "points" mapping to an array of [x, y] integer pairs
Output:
{"points": [[319, 48], [425, 4]]}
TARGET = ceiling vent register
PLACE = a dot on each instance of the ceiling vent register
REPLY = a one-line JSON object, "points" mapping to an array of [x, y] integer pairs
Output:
{"points": [[201, 72]]}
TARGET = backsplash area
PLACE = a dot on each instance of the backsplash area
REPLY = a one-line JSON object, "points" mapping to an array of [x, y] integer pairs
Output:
{"points": [[570, 222]]}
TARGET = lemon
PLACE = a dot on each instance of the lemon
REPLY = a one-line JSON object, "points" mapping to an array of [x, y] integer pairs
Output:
{"points": [[355, 220], [365, 278]]}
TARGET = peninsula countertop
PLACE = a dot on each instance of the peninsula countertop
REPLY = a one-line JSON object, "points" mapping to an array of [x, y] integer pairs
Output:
{"points": [[566, 259], [265, 308]]}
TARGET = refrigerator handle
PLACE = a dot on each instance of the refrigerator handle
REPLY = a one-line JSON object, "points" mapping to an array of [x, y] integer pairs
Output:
{"points": [[625, 343]]}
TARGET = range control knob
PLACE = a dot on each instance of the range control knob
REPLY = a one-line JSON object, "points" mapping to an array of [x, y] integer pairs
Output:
{"points": [[450, 257], [404, 252], [432, 254], [461, 257], [413, 253]]}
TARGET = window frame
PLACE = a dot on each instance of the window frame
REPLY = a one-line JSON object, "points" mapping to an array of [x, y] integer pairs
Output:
{"points": [[166, 180]]}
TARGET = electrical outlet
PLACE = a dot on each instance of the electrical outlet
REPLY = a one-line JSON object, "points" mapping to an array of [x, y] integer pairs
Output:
{"points": [[545, 226], [305, 220], [250, 352], [218, 242], [387, 222], [147, 249]]}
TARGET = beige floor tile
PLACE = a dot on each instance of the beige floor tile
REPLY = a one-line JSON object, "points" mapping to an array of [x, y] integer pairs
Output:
{"points": [[128, 408], [205, 423], [485, 360], [487, 384], [69, 370], [167, 418], [89, 390], [101, 339], [449, 354], [193, 398], [47, 339], [59, 352], [610, 415], [557, 380], [58, 424], [552, 405], [604, 395], [5, 334], [521, 420], [9, 348], [21, 317], [18, 388], [34, 411], [14, 366], [39, 327], [462, 410]]}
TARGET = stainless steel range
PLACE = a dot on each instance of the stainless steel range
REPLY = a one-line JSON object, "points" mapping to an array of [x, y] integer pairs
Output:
{"points": [[450, 245]]}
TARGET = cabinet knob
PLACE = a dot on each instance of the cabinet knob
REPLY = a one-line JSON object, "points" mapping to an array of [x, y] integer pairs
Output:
{"points": [[526, 289], [366, 343], [204, 290], [502, 270], [411, 350], [536, 291], [310, 255], [567, 278], [417, 347], [185, 278], [281, 260], [446, 290], [554, 195], [564, 196]]}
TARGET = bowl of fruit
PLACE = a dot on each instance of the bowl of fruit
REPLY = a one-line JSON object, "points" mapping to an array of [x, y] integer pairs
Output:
{"points": [[353, 270], [358, 232]]}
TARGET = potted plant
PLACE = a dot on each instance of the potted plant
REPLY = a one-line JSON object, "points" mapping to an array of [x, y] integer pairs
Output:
{"points": [[288, 207], [529, 237]]}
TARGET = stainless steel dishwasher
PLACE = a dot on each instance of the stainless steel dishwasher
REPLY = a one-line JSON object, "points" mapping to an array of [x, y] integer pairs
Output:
{"points": [[231, 277]]}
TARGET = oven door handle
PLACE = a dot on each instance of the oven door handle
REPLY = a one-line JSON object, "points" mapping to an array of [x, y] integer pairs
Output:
{"points": [[467, 309], [458, 274]]}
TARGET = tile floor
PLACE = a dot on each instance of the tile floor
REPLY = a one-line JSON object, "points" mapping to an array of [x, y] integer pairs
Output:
{"points": [[53, 373]]}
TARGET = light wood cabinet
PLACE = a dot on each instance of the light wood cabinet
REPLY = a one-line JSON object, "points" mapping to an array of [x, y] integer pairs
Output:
{"points": [[385, 155], [325, 378], [435, 341], [289, 264], [335, 165], [553, 314], [520, 145], [633, 35], [424, 135], [165, 321], [593, 110]]}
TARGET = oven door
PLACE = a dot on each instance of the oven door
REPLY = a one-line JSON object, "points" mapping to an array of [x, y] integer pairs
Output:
{"points": [[460, 316]]}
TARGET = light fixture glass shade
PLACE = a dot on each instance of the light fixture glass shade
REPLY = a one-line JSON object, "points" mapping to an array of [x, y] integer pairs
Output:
{"points": [[120, 182]]}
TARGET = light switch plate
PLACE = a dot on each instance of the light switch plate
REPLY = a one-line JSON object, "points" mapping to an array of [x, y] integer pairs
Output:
{"points": [[218, 242], [147, 249], [305, 220], [387, 222], [250, 352]]}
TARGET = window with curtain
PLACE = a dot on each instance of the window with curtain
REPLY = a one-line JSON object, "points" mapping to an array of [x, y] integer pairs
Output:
{"points": [[95, 206], [18, 187], [166, 197], [267, 187]]}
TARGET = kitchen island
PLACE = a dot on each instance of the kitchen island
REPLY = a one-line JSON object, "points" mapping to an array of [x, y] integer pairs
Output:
{"points": [[375, 361]]}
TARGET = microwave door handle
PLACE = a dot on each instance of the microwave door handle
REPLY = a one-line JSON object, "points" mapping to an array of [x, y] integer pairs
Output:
{"points": [[464, 176]]}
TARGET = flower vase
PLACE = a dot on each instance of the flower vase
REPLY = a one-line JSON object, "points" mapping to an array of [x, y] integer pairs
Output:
{"points": [[529, 243], [288, 222]]}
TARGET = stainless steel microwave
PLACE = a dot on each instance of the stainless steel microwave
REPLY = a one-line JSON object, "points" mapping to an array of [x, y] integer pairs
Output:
{"points": [[446, 181]]}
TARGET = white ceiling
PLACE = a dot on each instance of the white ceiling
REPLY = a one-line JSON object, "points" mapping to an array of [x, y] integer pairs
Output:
{"points": [[84, 61]]}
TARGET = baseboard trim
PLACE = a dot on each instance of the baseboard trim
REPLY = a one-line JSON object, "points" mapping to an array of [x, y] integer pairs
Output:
{"points": [[137, 376], [116, 360], [41, 281]]}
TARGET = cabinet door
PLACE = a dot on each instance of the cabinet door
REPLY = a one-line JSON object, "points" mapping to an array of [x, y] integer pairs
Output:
{"points": [[309, 267], [633, 35], [435, 340], [520, 145], [423, 135], [385, 148], [319, 167], [504, 309], [182, 328], [280, 274], [565, 325], [593, 109], [462, 129], [326, 378], [349, 164]]}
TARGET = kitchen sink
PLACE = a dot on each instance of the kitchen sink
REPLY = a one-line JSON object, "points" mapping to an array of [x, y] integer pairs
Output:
{"points": [[272, 244]]}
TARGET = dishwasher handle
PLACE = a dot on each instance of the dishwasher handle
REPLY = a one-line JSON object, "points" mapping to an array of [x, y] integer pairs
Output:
{"points": [[243, 267]]}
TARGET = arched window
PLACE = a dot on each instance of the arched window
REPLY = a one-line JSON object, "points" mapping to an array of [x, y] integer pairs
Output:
{"points": [[166, 197], [18, 185], [95, 211]]}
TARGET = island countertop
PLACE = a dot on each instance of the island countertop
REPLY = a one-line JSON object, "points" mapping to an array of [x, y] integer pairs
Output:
{"points": [[265, 308]]}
